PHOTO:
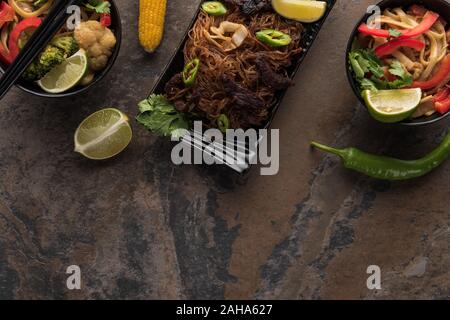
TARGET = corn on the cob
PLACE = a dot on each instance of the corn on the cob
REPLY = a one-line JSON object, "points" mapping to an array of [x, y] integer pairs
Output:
{"points": [[151, 23]]}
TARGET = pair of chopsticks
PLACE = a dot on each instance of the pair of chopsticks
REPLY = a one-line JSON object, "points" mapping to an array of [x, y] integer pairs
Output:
{"points": [[37, 42]]}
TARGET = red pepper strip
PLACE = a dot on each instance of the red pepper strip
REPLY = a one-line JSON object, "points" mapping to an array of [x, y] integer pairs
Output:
{"points": [[391, 46], [439, 77], [105, 19], [364, 29], [418, 10], [5, 56], [443, 106], [428, 21], [7, 14], [441, 95], [16, 32]]}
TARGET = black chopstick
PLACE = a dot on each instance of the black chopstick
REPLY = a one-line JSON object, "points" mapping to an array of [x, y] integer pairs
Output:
{"points": [[43, 34]]}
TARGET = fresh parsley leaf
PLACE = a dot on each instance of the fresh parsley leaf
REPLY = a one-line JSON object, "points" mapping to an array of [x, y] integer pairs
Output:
{"points": [[158, 115], [99, 6], [394, 33], [367, 84]]}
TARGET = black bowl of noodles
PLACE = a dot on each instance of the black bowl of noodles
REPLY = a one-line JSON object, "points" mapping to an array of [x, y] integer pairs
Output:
{"points": [[393, 15], [116, 28]]}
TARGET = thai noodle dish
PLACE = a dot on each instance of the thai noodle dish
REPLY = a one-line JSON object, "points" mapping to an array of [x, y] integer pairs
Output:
{"points": [[402, 66], [237, 57], [73, 57]]}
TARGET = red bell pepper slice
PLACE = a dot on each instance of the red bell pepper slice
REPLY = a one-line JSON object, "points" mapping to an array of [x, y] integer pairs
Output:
{"points": [[428, 21], [7, 13], [365, 29], [105, 19], [5, 56], [17, 31], [390, 47], [418, 10], [441, 95], [442, 74], [443, 106]]}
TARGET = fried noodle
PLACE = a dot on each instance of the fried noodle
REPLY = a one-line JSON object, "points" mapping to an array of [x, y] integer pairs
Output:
{"points": [[238, 64]]}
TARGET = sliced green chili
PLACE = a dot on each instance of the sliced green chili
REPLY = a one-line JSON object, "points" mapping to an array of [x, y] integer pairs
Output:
{"points": [[190, 72], [386, 168], [214, 8], [273, 38], [223, 123]]}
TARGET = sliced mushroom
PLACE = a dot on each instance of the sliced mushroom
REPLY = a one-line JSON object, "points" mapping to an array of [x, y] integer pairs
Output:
{"points": [[221, 38], [426, 108]]}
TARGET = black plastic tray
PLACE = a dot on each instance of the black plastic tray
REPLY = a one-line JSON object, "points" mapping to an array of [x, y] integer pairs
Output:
{"points": [[310, 32]]}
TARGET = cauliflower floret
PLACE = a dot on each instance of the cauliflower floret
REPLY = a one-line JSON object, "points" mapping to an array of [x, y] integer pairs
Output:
{"points": [[98, 41]]}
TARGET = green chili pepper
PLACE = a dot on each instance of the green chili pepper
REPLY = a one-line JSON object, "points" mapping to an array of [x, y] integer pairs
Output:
{"points": [[385, 168], [190, 72], [223, 123], [273, 38], [214, 8]]}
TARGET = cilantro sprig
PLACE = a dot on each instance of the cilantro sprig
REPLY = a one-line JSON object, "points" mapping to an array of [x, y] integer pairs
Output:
{"points": [[99, 6], [370, 73], [158, 115]]}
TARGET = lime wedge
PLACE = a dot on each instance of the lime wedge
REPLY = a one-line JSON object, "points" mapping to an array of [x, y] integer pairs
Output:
{"points": [[103, 134], [391, 106], [300, 10], [66, 75]]}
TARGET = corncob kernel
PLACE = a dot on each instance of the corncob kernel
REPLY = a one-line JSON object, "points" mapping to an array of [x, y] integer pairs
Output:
{"points": [[151, 23]]}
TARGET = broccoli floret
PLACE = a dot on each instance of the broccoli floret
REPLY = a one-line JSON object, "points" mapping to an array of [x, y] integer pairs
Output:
{"points": [[67, 44], [33, 72], [48, 59], [54, 54], [51, 57]]}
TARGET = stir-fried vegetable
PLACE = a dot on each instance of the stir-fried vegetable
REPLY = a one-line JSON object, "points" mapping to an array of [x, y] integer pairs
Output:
{"points": [[29, 9]]}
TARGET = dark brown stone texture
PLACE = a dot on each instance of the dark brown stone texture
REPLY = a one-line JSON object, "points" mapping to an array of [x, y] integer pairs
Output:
{"points": [[142, 228]]}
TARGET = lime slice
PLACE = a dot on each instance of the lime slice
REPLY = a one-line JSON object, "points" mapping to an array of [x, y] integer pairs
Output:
{"points": [[392, 105], [103, 134], [300, 10], [66, 75]]}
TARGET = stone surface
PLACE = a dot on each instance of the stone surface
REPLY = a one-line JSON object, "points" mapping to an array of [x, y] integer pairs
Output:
{"points": [[142, 228]]}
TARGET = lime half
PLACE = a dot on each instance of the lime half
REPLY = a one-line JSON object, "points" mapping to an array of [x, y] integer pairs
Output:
{"points": [[391, 106], [300, 10], [103, 134], [66, 75]]}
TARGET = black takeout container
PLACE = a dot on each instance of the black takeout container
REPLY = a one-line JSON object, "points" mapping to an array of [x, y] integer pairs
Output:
{"points": [[116, 27], [442, 7], [176, 65]]}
